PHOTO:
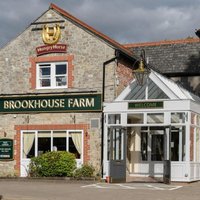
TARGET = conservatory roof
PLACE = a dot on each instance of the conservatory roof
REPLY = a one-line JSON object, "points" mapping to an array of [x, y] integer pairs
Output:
{"points": [[158, 87]]}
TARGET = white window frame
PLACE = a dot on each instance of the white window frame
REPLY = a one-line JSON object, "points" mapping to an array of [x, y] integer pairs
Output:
{"points": [[53, 75]]}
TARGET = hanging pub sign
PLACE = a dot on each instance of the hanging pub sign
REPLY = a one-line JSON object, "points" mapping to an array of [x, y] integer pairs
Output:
{"points": [[47, 103], [145, 105], [6, 149]]}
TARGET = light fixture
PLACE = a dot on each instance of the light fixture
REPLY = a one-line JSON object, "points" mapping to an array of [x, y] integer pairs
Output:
{"points": [[142, 72]]}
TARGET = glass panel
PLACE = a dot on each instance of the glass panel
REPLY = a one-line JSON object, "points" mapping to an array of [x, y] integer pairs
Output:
{"points": [[117, 144], [157, 142], [156, 118], [137, 92], [144, 143], [44, 142], [114, 119], [183, 143], [61, 81], [45, 82], [154, 92], [177, 117], [59, 141], [28, 145], [175, 144], [75, 144], [61, 69], [193, 116], [198, 120], [108, 144], [178, 143], [135, 118], [45, 71], [197, 145]]}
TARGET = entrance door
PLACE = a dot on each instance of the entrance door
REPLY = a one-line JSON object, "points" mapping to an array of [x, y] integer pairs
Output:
{"points": [[117, 154]]}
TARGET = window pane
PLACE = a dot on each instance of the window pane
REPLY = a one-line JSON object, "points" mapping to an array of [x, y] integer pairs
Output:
{"points": [[157, 143], [59, 141], [183, 143], [197, 145], [135, 119], [61, 81], [44, 142], [61, 69], [28, 144], [177, 117], [198, 120], [45, 71], [155, 118], [175, 144], [75, 143], [144, 143], [117, 144], [45, 82], [114, 119]]}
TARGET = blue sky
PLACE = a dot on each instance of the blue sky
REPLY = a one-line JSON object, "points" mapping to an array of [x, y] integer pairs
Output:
{"points": [[126, 21]]}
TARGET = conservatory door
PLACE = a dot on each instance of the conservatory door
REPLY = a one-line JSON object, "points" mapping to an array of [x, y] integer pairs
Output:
{"points": [[117, 154]]}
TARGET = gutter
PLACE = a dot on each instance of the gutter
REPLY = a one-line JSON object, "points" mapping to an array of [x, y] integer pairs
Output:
{"points": [[103, 99]]}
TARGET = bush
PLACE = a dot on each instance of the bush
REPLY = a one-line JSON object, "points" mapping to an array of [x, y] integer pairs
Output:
{"points": [[84, 171], [53, 164]]}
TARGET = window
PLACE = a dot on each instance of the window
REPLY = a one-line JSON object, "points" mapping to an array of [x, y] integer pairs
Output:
{"points": [[144, 145], [155, 118], [177, 117], [114, 119], [52, 75], [157, 142], [45, 141], [177, 143], [135, 118]]}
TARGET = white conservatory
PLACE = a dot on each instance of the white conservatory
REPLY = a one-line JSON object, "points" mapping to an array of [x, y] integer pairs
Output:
{"points": [[149, 125]]}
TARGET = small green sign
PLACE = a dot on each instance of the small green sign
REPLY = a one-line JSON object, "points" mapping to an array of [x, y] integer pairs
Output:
{"points": [[145, 105], [51, 103], [6, 149]]}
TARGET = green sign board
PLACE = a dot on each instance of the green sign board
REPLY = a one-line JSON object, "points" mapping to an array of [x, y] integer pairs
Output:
{"points": [[49, 103], [6, 149], [145, 105]]}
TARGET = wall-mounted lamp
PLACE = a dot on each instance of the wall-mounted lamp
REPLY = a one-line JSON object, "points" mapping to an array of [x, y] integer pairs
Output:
{"points": [[142, 72]]}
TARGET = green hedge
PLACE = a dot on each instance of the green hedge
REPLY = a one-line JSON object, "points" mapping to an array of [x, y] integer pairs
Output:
{"points": [[53, 164], [84, 171]]}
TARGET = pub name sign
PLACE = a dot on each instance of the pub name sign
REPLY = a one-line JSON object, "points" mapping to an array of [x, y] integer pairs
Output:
{"points": [[56, 103]]}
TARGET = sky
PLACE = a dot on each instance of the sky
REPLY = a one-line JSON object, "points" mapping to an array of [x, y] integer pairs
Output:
{"points": [[126, 21]]}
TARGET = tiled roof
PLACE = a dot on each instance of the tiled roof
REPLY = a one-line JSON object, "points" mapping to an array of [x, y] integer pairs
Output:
{"points": [[172, 57], [107, 39], [163, 42]]}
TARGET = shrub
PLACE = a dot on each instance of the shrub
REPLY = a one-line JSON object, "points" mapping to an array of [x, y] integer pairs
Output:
{"points": [[84, 171], [53, 164]]}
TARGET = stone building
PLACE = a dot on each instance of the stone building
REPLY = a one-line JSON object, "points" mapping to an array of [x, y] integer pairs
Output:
{"points": [[54, 77]]}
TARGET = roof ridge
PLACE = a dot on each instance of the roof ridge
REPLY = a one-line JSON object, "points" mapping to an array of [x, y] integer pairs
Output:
{"points": [[162, 42], [91, 29]]}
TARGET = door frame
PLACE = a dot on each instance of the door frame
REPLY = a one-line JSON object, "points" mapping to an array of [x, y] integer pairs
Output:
{"points": [[117, 157]]}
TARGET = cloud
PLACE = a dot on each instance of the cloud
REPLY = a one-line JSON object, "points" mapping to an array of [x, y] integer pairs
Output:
{"points": [[126, 21]]}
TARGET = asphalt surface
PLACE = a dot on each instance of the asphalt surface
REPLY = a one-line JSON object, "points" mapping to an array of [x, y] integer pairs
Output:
{"points": [[62, 190]]}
